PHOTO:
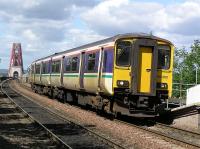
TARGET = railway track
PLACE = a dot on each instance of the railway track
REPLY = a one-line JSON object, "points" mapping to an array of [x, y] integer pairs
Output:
{"points": [[188, 137], [72, 134], [178, 136], [183, 137], [19, 130]]}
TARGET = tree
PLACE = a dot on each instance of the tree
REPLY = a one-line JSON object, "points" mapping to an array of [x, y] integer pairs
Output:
{"points": [[185, 65]]}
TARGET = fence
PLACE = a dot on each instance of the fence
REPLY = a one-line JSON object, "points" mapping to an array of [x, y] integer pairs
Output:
{"points": [[179, 92]]}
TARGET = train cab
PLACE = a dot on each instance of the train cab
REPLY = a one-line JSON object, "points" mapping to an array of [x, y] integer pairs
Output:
{"points": [[142, 73]]}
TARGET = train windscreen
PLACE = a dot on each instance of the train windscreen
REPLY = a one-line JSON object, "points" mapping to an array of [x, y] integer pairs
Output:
{"points": [[163, 57]]}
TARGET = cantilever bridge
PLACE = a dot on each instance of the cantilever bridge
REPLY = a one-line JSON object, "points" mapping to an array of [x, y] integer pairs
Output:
{"points": [[16, 61]]}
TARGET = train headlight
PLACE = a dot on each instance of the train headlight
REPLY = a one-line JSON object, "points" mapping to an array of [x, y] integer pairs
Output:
{"points": [[122, 83], [162, 85]]}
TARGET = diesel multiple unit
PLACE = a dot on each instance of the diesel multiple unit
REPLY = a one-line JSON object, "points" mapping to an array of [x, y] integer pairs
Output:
{"points": [[129, 74]]}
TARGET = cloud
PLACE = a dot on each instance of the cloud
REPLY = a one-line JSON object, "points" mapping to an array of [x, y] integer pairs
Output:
{"points": [[53, 10], [134, 16], [48, 26], [122, 16], [28, 34], [80, 37], [184, 18], [43, 9]]}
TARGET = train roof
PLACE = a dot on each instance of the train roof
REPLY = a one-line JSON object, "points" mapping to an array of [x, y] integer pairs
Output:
{"points": [[110, 39]]}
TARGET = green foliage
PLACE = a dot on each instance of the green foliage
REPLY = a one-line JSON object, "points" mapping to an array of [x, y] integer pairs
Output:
{"points": [[185, 65]]}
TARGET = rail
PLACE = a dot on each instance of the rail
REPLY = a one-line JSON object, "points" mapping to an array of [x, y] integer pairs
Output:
{"points": [[37, 122], [170, 134], [101, 137]]}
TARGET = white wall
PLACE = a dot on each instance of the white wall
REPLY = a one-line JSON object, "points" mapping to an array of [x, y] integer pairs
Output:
{"points": [[193, 95]]}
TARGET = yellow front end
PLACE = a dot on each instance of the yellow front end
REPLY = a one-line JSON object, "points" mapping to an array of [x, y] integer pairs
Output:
{"points": [[122, 72], [164, 76], [142, 77]]}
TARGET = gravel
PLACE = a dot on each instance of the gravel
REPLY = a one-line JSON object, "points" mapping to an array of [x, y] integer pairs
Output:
{"points": [[188, 123], [129, 136], [19, 131]]}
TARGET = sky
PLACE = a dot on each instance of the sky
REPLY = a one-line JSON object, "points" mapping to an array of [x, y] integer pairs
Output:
{"points": [[44, 27]]}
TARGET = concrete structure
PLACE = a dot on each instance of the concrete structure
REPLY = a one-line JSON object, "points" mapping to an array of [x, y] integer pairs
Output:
{"points": [[193, 95], [199, 118], [16, 61]]}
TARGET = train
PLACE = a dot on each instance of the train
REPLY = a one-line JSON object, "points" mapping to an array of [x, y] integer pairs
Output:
{"points": [[128, 74]]}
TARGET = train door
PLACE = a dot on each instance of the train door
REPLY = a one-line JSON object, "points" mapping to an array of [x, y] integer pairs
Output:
{"points": [[82, 69], [144, 67], [40, 75], [145, 70], [62, 70], [34, 70], [50, 71], [100, 70]]}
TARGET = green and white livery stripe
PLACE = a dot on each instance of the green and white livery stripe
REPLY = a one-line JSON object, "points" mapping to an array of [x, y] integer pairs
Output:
{"points": [[74, 75], [71, 75], [55, 74], [107, 75], [46, 74]]}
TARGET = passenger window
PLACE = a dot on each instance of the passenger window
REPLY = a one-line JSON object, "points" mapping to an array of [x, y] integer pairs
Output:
{"points": [[53, 67], [37, 69], [91, 62], [71, 64], [163, 57], [44, 68], [68, 64], [56, 66], [49, 67], [108, 61], [32, 69], [74, 63], [123, 53]]}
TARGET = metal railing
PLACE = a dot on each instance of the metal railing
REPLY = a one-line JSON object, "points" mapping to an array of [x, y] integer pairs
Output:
{"points": [[179, 91]]}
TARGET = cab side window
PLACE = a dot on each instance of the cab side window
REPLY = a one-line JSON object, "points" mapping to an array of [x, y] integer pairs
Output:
{"points": [[123, 52], [163, 57]]}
